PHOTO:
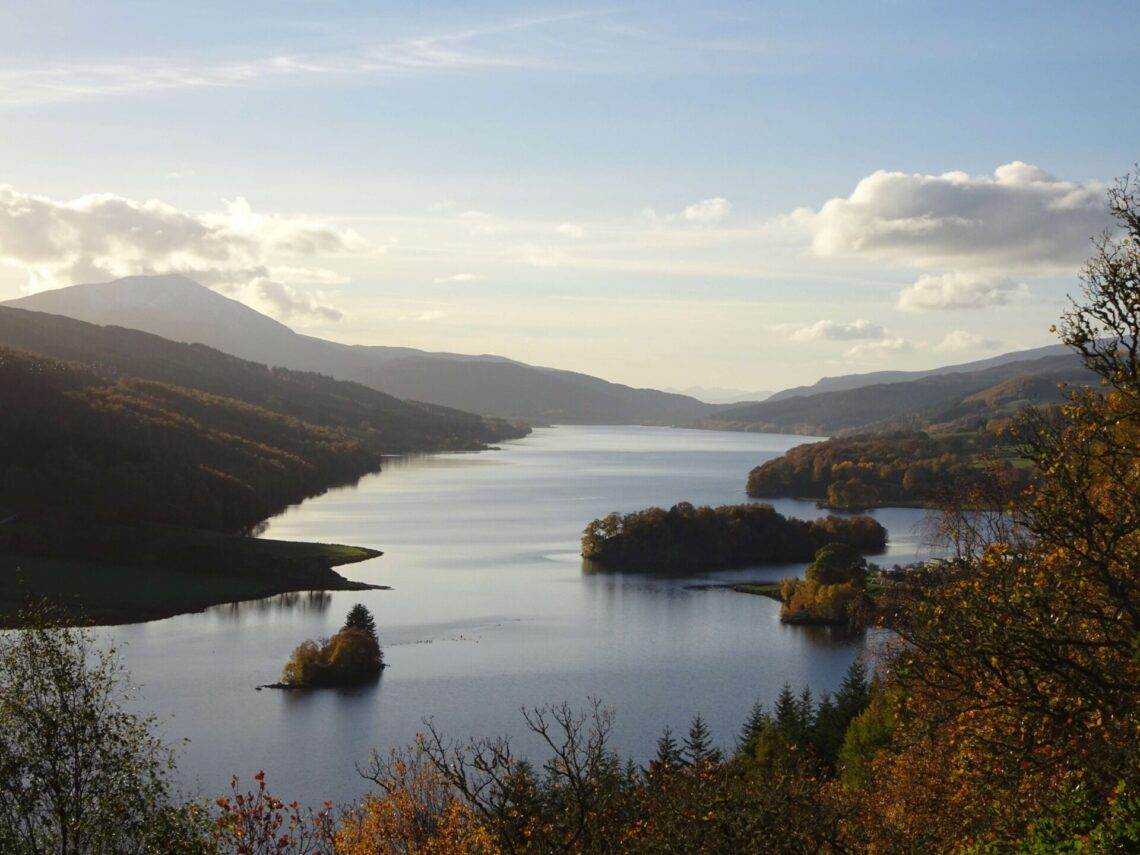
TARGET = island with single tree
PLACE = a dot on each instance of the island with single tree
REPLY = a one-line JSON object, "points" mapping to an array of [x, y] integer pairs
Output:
{"points": [[687, 538], [350, 658]]}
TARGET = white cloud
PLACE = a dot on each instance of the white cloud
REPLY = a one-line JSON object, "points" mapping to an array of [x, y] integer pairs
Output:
{"points": [[886, 346], [459, 278], [707, 211], [429, 316], [1018, 218], [98, 237], [960, 340], [571, 230], [959, 291], [834, 331]]}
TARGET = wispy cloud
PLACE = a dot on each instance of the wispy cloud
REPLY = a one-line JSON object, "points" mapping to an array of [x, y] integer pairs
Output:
{"points": [[459, 278], [598, 41], [65, 81]]}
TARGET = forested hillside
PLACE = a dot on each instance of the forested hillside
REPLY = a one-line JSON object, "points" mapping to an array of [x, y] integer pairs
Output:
{"points": [[387, 424], [872, 470], [959, 401]]}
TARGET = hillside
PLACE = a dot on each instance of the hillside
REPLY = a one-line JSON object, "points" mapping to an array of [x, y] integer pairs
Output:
{"points": [[130, 464], [386, 424], [961, 400], [847, 382], [180, 309], [92, 443], [889, 470]]}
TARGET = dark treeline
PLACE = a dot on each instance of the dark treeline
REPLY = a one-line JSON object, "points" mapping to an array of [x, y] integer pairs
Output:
{"points": [[699, 538], [866, 471], [80, 446]]}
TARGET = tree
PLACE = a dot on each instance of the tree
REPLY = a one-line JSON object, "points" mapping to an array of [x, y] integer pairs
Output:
{"points": [[1020, 666], [697, 746], [837, 563], [668, 755], [360, 618], [78, 772]]}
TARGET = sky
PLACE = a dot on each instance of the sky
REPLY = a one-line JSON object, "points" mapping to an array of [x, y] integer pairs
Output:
{"points": [[736, 196]]}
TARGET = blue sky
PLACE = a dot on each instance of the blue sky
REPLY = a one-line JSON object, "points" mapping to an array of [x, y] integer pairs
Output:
{"points": [[671, 194]]}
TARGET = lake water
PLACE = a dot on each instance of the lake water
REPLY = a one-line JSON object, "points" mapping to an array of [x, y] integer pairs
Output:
{"points": [[491, 611]]}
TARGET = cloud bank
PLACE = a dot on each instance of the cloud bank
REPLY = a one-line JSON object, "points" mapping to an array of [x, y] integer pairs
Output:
{"points": [[102, 236], [1019, 218]]}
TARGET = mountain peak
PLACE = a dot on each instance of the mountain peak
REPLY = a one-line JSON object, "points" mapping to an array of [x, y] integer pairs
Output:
{"points": [[171, 305]]}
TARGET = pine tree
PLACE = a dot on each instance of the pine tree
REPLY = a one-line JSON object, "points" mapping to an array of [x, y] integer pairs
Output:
{"points": [[828, 730], [753, 727], [668, 753], [360, 618], [789, 716], [854, 692], [698, 744]]}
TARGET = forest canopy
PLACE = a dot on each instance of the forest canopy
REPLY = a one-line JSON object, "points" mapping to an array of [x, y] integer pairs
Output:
{"points": [[704, 538]]}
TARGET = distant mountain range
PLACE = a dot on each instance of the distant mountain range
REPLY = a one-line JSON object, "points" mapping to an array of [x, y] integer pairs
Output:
{"points": [[846, 382], [955, 400], [177, 308]]}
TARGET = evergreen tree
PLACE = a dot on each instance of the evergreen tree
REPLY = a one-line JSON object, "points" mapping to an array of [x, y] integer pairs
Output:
{"points": [[789, 719], [360, 618], [698, 747], [668, 753], [827, 730], [753, 727], [854, 692]]}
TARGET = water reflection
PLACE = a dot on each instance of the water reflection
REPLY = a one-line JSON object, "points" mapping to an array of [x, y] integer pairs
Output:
{"points": [[493, 609], [360, 693], [314, 602]]}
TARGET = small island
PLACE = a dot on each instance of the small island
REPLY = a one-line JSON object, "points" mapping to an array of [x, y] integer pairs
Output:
{"points": [[350, 658], [833, 591], [687, 538]]}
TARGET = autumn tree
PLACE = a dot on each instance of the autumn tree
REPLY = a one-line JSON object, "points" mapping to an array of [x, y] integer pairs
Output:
{"points": [[1020, 666]]}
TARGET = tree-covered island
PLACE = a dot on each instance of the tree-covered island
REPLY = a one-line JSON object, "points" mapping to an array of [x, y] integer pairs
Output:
{"points": [[705, 538], [350, 658]]}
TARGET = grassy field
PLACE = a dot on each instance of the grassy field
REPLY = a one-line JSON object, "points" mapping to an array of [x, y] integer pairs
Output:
{"points": [[113, 575]]}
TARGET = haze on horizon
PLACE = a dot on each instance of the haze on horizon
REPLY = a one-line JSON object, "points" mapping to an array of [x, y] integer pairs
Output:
{"points": [[733, 195]]}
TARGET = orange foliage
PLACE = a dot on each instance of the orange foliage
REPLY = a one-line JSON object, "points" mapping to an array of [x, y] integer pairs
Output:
{"points": [[415, 815]]}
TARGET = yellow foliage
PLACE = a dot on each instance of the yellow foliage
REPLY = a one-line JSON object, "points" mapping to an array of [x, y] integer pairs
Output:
{"points": [[415, 815]]}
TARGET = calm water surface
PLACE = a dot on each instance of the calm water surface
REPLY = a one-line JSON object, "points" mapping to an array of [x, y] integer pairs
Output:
{"points": [[490, 611]]}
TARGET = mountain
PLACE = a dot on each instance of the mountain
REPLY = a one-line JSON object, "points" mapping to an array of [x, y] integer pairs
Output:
{"points": [[846, 382], [121, 425], [177, 308], [959, 400]]}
